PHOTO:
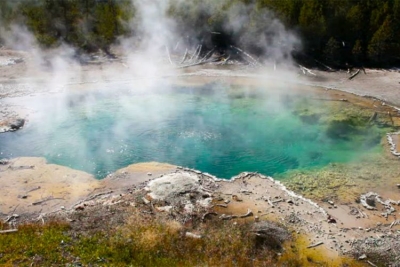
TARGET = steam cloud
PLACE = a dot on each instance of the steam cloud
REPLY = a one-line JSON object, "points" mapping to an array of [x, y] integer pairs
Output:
{"points": [[145, 60]]}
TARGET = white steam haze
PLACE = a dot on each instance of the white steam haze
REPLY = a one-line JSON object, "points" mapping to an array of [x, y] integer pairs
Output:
{"points": [[144, 53], [144, 64]]}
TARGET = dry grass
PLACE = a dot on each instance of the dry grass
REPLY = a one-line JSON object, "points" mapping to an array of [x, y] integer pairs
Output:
{"points": [[146, 240]]}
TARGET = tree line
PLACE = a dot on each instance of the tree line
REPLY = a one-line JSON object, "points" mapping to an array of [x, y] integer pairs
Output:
{"points": [[335, 32]]}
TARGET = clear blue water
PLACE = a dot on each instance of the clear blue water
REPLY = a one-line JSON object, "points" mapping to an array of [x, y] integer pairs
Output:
{"points": [[215, 128]]}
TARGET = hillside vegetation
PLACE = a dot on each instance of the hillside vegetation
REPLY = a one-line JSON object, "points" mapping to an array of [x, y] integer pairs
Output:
{"points": [[335, 32]]}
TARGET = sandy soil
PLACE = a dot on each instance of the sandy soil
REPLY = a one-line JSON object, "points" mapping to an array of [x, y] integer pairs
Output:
{"points": [[31, 186]]}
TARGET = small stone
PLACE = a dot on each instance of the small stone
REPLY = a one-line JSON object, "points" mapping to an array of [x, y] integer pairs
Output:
{"points": [[80, 207], [149, 174], [331, 202], [236, 198], [362, 257]]}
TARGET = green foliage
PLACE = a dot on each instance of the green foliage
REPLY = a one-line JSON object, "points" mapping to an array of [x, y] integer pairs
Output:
{"points": [[32, 243], [141, 242], [369, 29], [332, 52]]}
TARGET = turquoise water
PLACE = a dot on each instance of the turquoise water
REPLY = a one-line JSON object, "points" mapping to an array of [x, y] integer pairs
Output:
{"points": [[215, 129]]}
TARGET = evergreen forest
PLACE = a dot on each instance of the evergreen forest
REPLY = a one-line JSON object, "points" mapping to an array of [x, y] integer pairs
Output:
{"points": [[339, 33]]}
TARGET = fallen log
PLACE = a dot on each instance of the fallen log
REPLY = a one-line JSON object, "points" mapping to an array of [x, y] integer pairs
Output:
{"points": [[198, 53], [189, 234], [194, 54], [45, 200], [315, 245], [269, 201], [206, 214], [255, 62], [33, 189], [227, 217], [8, 231], [305, 70], [395, 222], [206, 56], [196, 64], [248, 213], [169, 55], [184, 57], [354, 75]]}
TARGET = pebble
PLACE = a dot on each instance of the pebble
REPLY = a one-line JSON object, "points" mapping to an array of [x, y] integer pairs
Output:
{"points": [[362, 257]]}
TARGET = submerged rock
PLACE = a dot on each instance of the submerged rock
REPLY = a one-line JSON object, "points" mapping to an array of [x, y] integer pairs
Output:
{"points": [[11, 125]]}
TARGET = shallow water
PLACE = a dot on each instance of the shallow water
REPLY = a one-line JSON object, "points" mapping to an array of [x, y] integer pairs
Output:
{"points": [[215, 128]]}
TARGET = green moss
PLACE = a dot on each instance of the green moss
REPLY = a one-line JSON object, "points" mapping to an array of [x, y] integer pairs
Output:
{"points": [[45, 244]]}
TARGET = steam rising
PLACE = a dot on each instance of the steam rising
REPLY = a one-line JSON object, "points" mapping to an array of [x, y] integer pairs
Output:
{"points": [[144, 62]]}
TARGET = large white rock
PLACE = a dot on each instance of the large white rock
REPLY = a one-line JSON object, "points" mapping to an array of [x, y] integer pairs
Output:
{"points": [[172, 185]]}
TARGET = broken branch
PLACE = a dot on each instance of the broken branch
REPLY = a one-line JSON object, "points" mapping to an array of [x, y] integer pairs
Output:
{"points": [[8, 231], [45, 200], [355, 74], [315, 245]]}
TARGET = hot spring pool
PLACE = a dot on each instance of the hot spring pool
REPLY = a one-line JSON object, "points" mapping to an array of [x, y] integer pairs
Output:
{"points": [[216, 128]]}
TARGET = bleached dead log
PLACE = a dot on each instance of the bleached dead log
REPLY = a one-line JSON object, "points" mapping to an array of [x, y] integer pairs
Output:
{"points": [[227, 217], [194, 54], [46, 199], [189, 234], [8, 231], [247, 214], [184, 57], [305, 70], [198, 53], [269, 201], [354, 75], [325, 66], [196, 64], [92, 197], [395, 222], [177, 44], [207, 55], [9, 218], [254, 61], [315, 245], [33, 189], [169, 55], [206, 214]]}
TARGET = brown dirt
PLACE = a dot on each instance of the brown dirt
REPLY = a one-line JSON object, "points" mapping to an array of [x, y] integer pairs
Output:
{"points": [[61, 186]]}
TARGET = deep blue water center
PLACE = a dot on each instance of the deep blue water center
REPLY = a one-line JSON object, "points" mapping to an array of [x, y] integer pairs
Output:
{"points": [[214, 128]]}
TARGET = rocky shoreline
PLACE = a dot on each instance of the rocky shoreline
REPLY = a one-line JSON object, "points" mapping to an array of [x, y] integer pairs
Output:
{"points": [[33, 190], [338, 229]]}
